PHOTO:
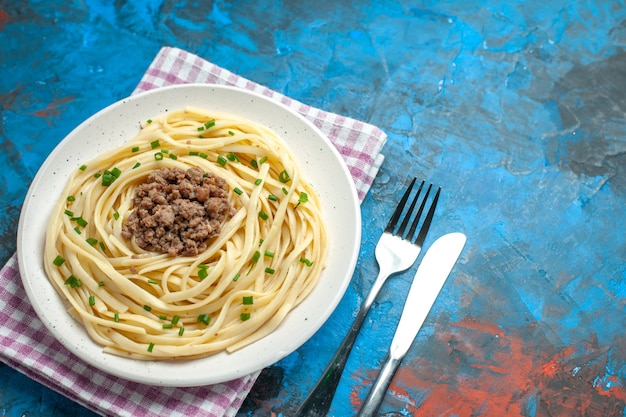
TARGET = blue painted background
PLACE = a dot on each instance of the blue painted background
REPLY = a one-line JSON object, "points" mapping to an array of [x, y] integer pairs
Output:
{"points": [[516, 108]]}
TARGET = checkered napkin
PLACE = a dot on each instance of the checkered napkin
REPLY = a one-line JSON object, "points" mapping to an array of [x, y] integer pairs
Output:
{"points": [[26, 345]]}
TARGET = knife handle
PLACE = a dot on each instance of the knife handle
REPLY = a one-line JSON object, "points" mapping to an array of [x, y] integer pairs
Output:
{"points": [[379, 389]]}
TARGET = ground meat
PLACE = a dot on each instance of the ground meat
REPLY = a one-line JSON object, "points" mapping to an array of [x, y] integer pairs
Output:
{"points": [[177, 211]]}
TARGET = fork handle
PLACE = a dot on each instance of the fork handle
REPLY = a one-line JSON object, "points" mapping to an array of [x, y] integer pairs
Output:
{"points": [[319, 399]]}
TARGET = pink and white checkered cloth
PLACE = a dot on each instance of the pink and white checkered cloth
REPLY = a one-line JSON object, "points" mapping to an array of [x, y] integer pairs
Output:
{"points": [[26, 345]]}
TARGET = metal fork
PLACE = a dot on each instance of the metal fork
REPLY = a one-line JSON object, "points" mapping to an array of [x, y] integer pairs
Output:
{"points": [[396, 251]]}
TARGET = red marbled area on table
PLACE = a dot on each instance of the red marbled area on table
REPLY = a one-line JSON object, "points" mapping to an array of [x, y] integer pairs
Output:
{"points": [[479, 361]]}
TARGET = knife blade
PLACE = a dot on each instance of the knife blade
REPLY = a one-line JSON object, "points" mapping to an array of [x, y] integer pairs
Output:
{"points": [[427, 283]]}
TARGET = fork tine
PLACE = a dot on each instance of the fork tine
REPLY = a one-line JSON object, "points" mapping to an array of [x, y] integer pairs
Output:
{"points": [[409, 212], [421, 236], [398, 211], [418, 216]]}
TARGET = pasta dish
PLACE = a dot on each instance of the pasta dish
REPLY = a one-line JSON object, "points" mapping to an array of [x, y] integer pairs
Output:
{"points": [[197, 236]]}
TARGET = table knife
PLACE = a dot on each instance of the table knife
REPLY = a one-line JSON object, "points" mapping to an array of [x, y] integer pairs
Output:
{"points": [[428, 281]]}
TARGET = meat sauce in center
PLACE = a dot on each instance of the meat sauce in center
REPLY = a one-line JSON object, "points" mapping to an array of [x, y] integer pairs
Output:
{"points": [[177, 211]]}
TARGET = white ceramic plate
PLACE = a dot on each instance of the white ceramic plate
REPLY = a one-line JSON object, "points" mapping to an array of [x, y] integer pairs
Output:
{"points": [[116, 124]]}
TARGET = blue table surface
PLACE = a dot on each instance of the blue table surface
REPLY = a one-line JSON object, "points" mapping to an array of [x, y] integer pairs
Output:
{"points": [[516, 108]]}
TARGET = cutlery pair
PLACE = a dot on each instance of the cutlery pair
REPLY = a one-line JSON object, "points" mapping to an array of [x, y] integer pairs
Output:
{"points": [[396, 251]]}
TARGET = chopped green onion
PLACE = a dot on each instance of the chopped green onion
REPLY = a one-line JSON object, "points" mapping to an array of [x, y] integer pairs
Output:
{"points": [[258, 181], [149, 121], [158, 156], [58, 261], [108, 177], [102, 246], [284, 177], [181, 331], [154, 144], [77, 230], [71, 198], [137, 165], [236, 277], [80, 221], [101, 284], [167, 325], [73, 282], [116, 215], [209, 124], [135, 149], [233, 157], [174, 157], [153, 281], [147, 308], [272, 197], [69, 213], [248, 300], [203, 155], [202, 272], [306, 261], [263, 160], [254, 164], [97, 175], [255, 259], [200, 128], [263, 215], [285, 191], [269, 270], [269, 254], [116, 317], [150, 347], [92, 300], [165, 151], [91, 241], [82, 167], [221, 160], [244, 316], [303, 198], [238, 191], [204, 318], [175, 320], [231, 133], [193, 153]]}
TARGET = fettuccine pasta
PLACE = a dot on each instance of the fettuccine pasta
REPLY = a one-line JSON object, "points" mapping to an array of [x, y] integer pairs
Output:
{"points": [[238, 285]]}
